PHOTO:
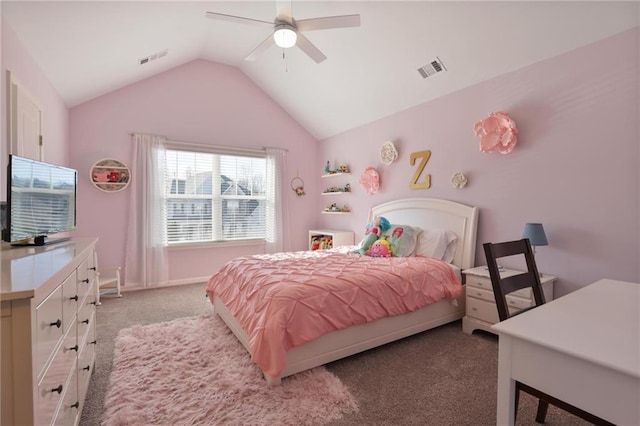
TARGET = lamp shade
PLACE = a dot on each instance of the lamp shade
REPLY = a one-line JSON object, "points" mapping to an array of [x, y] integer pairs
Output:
{"points": [[535, 233], [285, 36]]}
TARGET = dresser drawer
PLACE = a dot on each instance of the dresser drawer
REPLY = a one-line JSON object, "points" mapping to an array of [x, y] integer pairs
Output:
{"points": [[69, 300], [86, 319], [70, 408], [49, 327], [54, 382], [85, 281], [86, 364]]}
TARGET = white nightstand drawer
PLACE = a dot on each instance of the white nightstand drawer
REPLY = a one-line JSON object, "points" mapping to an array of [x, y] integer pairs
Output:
{"points": [[514, 302], [479, 282], [485, 283], [518, 303], [482, 310], [482, 294]]}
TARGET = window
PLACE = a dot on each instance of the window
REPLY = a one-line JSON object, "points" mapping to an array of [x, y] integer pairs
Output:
{"points": [[213, 196]]}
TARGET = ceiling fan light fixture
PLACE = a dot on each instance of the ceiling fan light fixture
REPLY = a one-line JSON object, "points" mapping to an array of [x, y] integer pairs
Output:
{"points": [[285, 36]]}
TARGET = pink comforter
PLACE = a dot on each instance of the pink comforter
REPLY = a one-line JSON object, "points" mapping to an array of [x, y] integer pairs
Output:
{"points": [[287, 299]]}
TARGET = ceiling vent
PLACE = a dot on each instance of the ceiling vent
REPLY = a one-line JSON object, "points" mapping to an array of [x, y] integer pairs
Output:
{"points": [[153, 57], [432, 68]]}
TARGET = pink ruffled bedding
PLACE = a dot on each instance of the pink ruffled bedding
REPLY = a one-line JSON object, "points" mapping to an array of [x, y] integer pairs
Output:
{"points": [[287, 299]]}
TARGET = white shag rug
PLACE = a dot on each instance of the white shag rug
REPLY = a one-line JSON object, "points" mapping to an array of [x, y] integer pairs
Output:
{"points": [[193, 371]]}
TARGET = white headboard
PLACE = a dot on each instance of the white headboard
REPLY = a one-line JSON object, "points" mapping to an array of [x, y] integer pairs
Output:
{"points": [[432, 213]]}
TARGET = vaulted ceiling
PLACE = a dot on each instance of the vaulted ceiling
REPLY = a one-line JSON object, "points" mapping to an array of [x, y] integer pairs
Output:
{"points": [[90, 48]]}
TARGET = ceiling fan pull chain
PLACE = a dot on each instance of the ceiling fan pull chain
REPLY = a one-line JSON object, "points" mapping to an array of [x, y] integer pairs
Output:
{"points": [[286, 63]]}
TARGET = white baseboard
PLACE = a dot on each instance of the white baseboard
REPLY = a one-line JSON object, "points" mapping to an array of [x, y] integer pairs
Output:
{"points": [[136, 286]]}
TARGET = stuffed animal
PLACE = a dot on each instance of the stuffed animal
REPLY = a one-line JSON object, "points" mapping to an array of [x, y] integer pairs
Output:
{"points": [[373, 232], [381, 248]]}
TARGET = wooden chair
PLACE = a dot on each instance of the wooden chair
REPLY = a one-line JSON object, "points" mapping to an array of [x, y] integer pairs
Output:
{"points": [[108, 280], [502, 286]]}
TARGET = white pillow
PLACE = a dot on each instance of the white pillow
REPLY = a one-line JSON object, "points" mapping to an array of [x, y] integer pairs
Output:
{"points": [[438, 243]]}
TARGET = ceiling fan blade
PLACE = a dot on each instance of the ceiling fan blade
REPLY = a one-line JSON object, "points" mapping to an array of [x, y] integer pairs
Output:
{"points": [[260, 49], [283, 11], [237, 19], [307, 47], [328, 22]]}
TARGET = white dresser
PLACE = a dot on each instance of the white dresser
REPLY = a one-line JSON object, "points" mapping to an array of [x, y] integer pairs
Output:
{"points": [[481, 311], [48, 320]]}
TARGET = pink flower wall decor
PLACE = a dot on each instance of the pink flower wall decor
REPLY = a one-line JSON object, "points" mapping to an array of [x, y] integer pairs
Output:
{"points": [[497, 132], [370, 180]]}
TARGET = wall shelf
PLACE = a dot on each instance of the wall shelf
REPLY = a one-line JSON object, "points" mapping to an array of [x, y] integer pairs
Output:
{"points": [[334, 174], [110, 175]]}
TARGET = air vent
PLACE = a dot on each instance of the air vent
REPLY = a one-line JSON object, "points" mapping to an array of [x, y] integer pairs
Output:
{"points": [[432, 68], [153, 57]]}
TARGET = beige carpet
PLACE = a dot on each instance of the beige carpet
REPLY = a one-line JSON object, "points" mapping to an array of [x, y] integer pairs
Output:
{"points": [[193, 371], [439, 377]]}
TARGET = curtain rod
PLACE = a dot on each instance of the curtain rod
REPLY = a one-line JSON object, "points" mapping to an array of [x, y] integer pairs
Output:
{"points": [[204, 145]]}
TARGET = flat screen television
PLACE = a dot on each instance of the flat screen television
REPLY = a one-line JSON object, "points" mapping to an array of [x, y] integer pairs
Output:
{"points": [[41, 201]]}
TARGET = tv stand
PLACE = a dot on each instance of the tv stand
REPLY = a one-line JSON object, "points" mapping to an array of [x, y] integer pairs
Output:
{"points": [[39, 241]]}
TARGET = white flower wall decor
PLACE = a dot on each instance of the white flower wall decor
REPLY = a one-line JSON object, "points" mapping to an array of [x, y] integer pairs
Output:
{"points": [[458, 180], [388, 153]]}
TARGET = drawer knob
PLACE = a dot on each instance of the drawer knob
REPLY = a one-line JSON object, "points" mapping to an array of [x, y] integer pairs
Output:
{"points": [[86, 281], [74, 348], [58, 389], [94, 342], [85, 321], [56, 324], [93, 303], [93, 268], [76, 405], [87, 368], [74, 298]]}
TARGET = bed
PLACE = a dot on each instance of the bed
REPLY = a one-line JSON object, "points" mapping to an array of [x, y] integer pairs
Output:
{"points": [[423, 213]]}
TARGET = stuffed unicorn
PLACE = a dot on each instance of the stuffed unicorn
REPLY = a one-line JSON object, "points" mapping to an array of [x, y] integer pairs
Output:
{"points": [[373, 232]]}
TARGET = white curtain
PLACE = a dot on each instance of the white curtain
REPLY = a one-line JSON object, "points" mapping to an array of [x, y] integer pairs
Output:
{"points": [[277, 215], [146, 262]]}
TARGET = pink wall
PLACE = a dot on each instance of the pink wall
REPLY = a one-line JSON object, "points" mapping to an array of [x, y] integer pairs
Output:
{"points": [[200, 102], [575, 168], [55, 130]]}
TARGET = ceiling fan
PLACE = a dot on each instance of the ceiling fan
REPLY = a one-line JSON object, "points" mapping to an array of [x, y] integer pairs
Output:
{"points": [[287, 32]]}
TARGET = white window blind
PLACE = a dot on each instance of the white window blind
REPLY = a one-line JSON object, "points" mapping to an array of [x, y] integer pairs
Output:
{"points": [[215, 196]]}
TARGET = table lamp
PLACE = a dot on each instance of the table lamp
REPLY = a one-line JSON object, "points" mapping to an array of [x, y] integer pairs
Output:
{"points": [[535, 233]]}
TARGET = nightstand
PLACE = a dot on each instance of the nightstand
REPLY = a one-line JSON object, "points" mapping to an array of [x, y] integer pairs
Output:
{"points": [[481, 311]]}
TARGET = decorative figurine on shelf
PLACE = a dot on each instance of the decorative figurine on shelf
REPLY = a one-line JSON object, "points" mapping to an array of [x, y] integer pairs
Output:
{"points": [[327, 168], [373, 231], [114, 176], [343, 169]]}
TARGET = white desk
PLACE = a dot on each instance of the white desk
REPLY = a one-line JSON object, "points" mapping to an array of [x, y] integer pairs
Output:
{"points": [[583, 348]]}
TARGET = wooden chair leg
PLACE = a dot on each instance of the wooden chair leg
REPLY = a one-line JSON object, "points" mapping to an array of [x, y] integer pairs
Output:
{"points": [[543, 406]]}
